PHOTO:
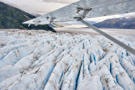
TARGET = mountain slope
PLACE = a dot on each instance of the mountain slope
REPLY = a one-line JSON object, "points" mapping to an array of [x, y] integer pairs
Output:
{"points": [[127, 23], [11, 17]]}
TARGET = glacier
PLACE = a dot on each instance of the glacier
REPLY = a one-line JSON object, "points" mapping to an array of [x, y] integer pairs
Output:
{"points": [[41, 60]]}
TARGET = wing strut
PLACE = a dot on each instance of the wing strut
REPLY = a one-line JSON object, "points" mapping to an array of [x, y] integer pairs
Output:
{"points": [[131, 50]]}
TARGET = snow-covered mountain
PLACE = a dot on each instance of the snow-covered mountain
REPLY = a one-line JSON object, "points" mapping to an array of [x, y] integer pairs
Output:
{"points": [[123, 22], [40, 60]]}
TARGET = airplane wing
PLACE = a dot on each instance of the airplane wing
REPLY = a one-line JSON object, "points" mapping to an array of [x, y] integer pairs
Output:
{"points": [[86, 8]]}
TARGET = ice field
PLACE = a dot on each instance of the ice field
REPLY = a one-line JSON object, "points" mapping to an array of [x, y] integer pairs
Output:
{"points": [[41, 60]]}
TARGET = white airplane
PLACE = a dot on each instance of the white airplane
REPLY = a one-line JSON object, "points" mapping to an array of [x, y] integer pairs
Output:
{"points": [[88, 8]]}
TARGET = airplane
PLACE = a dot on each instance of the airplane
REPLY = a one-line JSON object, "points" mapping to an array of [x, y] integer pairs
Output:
{"points": [[82, 9]]}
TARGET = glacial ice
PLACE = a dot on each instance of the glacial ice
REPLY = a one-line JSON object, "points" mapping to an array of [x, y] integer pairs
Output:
{"points": [[40, 60]]}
